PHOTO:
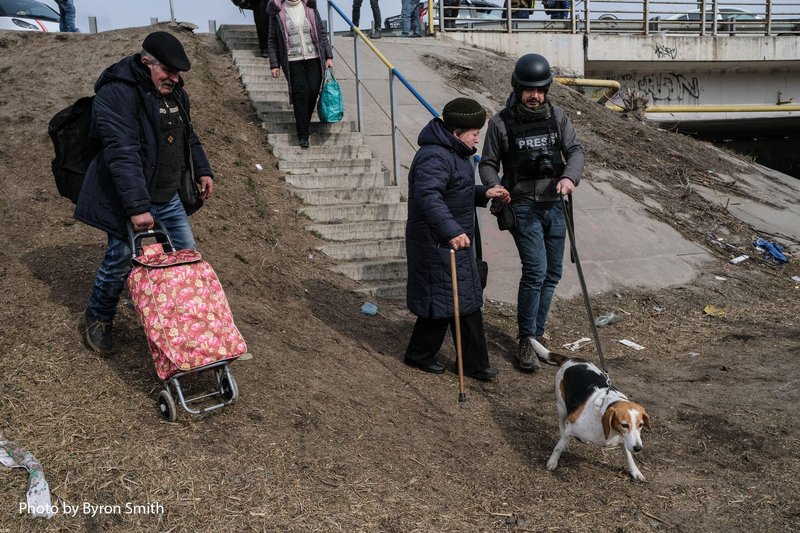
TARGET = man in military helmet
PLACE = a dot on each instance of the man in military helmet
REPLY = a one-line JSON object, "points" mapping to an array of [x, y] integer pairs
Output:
{"points": [[542, 160]]}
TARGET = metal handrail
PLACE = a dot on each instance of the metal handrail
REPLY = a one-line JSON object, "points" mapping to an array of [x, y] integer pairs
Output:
{"points": [[644, 17], [393, 73]]}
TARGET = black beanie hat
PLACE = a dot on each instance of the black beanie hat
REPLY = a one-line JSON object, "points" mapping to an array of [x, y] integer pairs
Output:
{"points": [[464, 113], [167, 49]]}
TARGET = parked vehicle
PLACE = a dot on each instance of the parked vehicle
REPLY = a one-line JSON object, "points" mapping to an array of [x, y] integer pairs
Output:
{"points": [[27, 15], [728, 19], [470, 13]]}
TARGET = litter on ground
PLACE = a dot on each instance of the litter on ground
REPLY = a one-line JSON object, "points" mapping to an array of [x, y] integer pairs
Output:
{"points": [[631, 344], [574, 346]]}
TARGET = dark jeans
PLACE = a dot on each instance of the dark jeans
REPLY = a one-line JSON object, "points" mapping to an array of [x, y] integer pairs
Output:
{"points": [[376, 12], [539, 234], [450, 17], [66, 21], [429, 333], [306, 80], [262, 25], [113, 272]]}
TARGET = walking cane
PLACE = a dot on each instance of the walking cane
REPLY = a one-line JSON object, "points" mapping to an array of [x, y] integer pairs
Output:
{"points": [[462, 397], [577, 261]]}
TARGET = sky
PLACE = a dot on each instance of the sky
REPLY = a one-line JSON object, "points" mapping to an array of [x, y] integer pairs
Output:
{"points": [[116, 14]]}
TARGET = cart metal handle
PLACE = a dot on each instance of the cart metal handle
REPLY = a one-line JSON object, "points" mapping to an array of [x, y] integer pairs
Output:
{"points": [[135, 238]]}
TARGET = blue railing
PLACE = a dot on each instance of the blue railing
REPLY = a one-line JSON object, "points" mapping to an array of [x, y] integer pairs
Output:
{"points": [[393, 73]]}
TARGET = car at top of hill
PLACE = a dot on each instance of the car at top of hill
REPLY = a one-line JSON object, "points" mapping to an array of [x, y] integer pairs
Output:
{"points": [[27, 15]]}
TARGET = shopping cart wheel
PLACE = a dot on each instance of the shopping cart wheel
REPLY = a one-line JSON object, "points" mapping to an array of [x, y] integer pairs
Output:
{"points": [[166, 406], [228, 388]]}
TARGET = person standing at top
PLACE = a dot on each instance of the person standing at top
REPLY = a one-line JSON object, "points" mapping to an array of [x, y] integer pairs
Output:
{"points": [[261, 18], [66, 10], [298, 44], [376, 17], [442, 196], [409, 17], [542, 160], [140, 114]]}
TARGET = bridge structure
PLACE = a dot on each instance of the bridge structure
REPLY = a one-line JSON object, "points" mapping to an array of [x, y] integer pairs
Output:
{"points": [[733, 78]]}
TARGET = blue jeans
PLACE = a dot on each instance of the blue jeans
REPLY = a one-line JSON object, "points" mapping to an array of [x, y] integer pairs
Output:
{"points": [[562, 14], [66, 10], [539, 234], [409, 16], [116, 266]]}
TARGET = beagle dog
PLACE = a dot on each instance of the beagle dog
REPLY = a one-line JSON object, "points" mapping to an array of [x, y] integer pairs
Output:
{"points": [[593, 411]]}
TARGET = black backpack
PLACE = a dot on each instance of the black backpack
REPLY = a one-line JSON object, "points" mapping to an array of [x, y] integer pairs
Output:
{"points": [[75, 148], [244, 4]]}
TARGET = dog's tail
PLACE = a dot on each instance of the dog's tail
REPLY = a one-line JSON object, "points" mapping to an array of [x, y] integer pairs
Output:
{"points": [[546, 355]]}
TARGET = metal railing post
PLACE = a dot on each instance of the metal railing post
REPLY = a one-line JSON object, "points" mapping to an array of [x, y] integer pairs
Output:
{"points": [[768, 27], [92, 24], [508, 16], [646, 15], [441, 16], [586, 13], [703, 21], [153, 21], [392, 106], [359, 110], [171, 12], [212, 27]]}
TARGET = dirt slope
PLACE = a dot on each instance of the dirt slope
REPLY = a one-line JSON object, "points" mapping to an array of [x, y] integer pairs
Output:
{"points": [[332, 432]]}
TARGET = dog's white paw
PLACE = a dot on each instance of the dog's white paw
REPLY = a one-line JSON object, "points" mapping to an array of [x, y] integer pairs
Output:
{"points": [[552, 463], [635, 474]]}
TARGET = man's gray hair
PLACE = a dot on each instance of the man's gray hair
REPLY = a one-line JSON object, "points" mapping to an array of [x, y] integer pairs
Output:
{"points": [[148, 55]]}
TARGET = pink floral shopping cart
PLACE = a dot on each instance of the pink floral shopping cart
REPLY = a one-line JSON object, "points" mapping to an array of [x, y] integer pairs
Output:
{"points": [[187, 320]]}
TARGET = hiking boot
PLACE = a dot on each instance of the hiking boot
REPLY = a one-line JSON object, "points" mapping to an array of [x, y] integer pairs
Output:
{"points": [[375, 34], [303, 142], [526, 356], [96, 334]]}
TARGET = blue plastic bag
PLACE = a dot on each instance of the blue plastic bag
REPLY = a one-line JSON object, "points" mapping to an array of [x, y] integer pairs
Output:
{"points": [[773, 250], [330, 107]]}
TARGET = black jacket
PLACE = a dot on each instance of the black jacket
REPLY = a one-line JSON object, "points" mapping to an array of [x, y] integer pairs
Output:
{"points": [[126, 119], [442, 196]]}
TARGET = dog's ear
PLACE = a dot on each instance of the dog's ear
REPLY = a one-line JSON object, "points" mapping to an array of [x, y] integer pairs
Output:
{"points": [[607, 419], [646, 419]]}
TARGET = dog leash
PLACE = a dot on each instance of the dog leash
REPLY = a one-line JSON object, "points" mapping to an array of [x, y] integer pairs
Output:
{"points": [[566, 205]]}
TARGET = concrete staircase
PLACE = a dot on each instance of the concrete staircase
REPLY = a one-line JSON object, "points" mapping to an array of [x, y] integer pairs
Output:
{"points": [[348, 200]]}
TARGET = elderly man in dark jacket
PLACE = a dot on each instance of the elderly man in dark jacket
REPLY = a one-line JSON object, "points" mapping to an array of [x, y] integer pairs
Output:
{"points": [[151, 165], [442, 196]]}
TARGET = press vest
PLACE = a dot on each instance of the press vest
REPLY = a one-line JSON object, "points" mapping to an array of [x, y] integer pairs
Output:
{"points": [[530, 144]]}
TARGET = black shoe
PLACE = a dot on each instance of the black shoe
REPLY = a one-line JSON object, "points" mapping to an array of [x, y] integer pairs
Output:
{"points": [[415, 35], [304, 142], [433, 367], [264, 53], [96, 334], [484, 374], [375, 34], [526, 356]]}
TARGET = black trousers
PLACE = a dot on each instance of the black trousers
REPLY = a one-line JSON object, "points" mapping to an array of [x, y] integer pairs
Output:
{"points": [[376, 13], [305, 79], [429, 333], [262, 25]]}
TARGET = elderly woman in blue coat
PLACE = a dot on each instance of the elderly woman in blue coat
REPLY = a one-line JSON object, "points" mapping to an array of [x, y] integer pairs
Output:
{"points": [[442, 196]]}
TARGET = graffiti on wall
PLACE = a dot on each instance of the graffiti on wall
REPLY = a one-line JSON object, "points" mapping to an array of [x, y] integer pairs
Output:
{"points": [[665, 86], [665, 51]]}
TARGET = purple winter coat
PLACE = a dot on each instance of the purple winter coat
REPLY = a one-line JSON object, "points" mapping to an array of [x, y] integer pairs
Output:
{"points": [[278, 55]]}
